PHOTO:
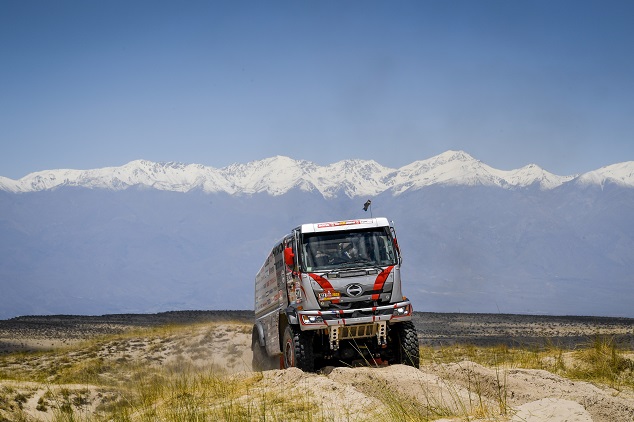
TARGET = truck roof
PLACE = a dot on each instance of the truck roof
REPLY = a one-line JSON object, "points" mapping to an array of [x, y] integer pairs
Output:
{"points": [[328, 226]]}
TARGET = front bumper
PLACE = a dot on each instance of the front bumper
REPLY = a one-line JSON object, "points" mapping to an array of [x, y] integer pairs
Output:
{"points": [[315, 320]]}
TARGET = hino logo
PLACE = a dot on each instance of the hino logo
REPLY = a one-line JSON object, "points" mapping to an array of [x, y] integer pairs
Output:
{"points": [[354, 290]]}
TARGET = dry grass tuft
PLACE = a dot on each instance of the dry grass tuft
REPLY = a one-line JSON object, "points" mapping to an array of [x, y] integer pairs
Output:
{"points": [[600, 361]]}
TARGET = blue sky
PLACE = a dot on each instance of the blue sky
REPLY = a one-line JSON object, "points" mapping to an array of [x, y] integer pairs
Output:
{"points": [[87, 84]]}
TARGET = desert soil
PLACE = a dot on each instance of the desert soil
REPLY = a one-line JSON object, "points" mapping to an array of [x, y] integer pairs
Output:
{"points": [[222, 339]]}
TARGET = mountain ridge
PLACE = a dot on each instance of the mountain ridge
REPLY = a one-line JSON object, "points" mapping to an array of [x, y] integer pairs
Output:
{"points": [[481, 246], [279, 174]]}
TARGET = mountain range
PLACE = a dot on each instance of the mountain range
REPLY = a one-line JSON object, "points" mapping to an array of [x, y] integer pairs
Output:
{"points": [[278, 175], [149, 237]]}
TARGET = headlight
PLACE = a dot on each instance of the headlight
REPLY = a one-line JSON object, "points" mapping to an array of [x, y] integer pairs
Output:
{"points": [[312, 319], [402, 311]]}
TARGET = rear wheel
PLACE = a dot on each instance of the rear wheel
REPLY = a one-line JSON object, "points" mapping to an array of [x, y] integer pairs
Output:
{"points": [[407, 347], [298, 349], [261, 360]]}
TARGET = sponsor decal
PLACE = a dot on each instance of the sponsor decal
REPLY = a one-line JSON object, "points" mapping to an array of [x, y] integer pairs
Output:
{"points": [[329, 295], [342, 223], [328, 289]]}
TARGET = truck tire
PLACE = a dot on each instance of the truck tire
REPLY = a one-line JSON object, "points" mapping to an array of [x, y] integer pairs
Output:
{"points": [[298, 349], [261, 360], [407, 342]]}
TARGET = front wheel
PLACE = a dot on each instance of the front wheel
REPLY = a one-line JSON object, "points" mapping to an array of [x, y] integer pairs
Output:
{"points": [[407, 347], [298, 349]]}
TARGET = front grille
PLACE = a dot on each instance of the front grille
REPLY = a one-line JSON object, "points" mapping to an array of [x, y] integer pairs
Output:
{"points": [[357, 331], [352, 305]]}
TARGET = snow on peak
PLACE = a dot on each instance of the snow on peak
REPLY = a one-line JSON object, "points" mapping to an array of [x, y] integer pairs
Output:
{"points": [[453, 167], [8, 185], [278, 175], [532, 174], [621, 174], [452, 155], [460, 168]]}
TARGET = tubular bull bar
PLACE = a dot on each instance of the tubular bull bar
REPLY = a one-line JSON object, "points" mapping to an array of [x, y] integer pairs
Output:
{"points": [[356, 323]]}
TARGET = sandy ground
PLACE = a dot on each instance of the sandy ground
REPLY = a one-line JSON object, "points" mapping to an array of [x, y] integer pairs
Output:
{"points": [[36, 333], [349, 393]]}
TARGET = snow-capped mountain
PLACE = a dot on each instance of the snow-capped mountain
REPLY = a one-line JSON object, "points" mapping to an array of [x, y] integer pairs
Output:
{"points": [[622, 174], [459, 168], [278, 175], [149, 237]]}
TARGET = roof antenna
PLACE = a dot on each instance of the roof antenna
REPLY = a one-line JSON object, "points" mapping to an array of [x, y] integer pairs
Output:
{"points": [[368, 204]]}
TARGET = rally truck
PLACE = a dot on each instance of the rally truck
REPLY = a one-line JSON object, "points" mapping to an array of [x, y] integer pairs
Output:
{"points": [[330, 293]]}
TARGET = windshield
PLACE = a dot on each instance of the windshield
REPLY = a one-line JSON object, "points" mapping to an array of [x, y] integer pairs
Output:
{"points": [[347, 249]]}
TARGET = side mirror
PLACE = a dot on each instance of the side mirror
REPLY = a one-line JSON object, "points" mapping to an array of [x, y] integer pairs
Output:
{"points": [[289, 256]]}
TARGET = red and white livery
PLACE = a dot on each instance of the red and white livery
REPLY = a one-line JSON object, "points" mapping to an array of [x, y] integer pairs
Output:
{"points": [[331, 292]]}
